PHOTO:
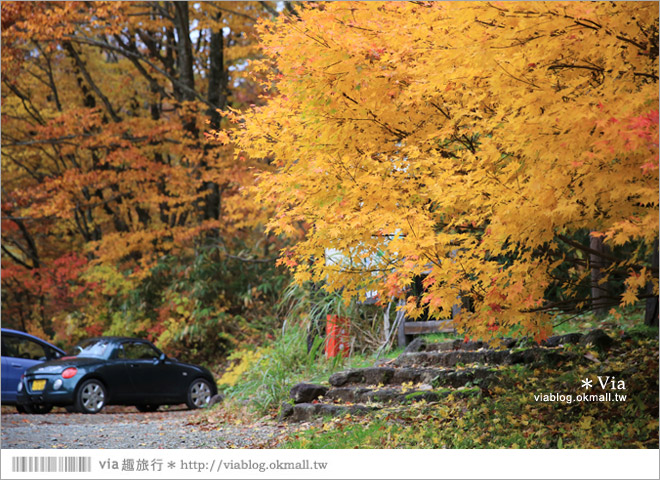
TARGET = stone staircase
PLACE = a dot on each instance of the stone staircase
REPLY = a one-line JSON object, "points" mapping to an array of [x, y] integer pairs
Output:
{"points": [[428, 372]]}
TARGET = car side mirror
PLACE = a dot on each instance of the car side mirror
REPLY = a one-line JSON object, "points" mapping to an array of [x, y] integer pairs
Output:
{"points": [[160, 359]]}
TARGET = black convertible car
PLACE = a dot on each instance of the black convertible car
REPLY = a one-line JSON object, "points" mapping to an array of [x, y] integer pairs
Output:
{"points": [[114, 370]]}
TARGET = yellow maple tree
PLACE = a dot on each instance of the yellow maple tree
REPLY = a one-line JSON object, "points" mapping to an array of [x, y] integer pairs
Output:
{"points": [[465, 141]]}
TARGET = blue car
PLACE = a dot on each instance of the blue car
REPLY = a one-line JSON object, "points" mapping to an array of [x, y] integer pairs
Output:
{"points": [[21, 351]]}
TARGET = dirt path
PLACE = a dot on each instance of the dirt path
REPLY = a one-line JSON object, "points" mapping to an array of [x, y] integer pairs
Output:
{"points": [[120, 427]]}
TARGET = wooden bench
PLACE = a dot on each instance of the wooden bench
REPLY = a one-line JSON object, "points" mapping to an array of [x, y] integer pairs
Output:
{"points": [[408, 329]]}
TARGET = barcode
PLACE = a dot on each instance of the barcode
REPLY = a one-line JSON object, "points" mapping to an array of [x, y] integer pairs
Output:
{"points": [[51, 464]]}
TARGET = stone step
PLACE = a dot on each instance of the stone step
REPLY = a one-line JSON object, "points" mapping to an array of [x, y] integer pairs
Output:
{"points": [[421, 345], [367, 401], [567, 339], [468, 346], [461, 377], [451, 359], [305, 412], [485, 356], [398, 376], [370, 395], [384, 376], [395, 394]]}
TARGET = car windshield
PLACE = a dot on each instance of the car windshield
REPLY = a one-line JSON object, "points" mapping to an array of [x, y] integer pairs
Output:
{"points": [[92, 348]]}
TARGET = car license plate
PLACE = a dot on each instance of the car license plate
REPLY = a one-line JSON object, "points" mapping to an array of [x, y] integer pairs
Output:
{"points": [[38, 385]]}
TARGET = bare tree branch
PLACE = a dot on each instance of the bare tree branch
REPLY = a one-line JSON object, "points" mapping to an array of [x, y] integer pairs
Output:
{"points": [[129, 54], [79, 63]]}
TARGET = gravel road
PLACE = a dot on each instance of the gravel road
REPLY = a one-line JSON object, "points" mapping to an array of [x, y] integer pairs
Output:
{"points": [[123, 427]]}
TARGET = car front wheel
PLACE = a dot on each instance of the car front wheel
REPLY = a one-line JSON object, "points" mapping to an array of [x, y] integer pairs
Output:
{"points": [[90, 397], [199, 394]]}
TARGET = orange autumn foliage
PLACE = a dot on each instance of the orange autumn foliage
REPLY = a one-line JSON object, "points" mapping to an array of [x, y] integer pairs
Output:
{"points": [[104, 110]]}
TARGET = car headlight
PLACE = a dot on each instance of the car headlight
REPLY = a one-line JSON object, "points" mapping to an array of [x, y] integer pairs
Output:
{"points": [[20, 385], [57, 384]]}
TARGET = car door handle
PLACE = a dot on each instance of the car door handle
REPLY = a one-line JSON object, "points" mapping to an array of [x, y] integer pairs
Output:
{"points": [[17, 365]]}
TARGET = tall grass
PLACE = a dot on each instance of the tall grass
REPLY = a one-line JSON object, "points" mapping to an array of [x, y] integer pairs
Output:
{"points": [[282, 364], [267, 382]]}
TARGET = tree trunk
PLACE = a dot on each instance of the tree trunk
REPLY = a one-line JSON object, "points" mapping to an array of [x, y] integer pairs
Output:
{"points": [[184, 50], [651, 316], [596, 262], [217, 95], [185, 63]]}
